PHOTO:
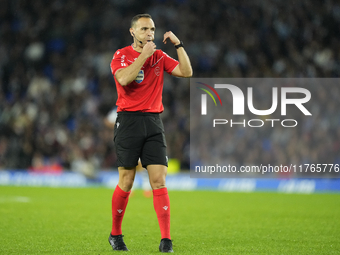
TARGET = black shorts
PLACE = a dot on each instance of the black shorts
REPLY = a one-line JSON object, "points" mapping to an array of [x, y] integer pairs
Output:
{"points": [[140, 135]]}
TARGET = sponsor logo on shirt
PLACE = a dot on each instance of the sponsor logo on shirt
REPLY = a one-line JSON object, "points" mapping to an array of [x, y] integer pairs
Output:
{"points": [[140, 77]]}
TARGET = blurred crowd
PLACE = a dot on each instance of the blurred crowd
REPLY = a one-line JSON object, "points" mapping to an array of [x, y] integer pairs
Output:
{"points": [[56, 86]]}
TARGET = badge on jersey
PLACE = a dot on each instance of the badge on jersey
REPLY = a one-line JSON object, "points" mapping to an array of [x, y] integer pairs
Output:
{"points": [[140, 77]]}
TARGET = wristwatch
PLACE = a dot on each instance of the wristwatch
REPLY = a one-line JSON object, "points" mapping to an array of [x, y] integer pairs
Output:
{"points": [[179, 45]]}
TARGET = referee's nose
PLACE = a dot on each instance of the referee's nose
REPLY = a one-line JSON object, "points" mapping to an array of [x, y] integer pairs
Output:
{"points": [[150, 33]]}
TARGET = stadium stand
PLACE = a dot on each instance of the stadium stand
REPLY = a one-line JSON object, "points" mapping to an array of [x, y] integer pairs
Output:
{"points": [[56, 85]]}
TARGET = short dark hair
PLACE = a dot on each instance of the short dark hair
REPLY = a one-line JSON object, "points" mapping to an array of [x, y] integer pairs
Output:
{"points": [[138, 16]]}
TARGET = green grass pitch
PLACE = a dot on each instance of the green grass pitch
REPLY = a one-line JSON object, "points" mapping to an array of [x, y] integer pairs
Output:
{"points": [[78, 221]]}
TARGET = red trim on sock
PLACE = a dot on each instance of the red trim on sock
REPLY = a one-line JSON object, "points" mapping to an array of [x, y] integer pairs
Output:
{"points": [[161, 203], [120, 199]]}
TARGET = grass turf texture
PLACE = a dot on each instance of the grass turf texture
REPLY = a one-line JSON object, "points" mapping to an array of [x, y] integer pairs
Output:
{"points": [[78, 221]]}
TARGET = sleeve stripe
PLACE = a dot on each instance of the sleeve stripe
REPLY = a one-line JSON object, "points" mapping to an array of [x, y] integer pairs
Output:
{"points": [[174, 67]]}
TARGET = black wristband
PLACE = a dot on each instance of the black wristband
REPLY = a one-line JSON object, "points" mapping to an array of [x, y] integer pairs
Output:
{"points": [[179, 45]]}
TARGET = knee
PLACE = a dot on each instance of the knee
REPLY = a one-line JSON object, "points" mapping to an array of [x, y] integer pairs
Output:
{"points": [[126, 182], [157, 174], [157, 182]]}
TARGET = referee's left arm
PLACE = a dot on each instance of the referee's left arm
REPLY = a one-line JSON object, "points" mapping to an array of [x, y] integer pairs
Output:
{"points": [[184, 68]]}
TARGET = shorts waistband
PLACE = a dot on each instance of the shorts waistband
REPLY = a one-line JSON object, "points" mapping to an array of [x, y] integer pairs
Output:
{"points": [[139, 113]]}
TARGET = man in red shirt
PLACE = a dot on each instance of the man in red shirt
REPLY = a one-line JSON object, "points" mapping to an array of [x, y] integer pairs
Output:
{"points": [[138, 71]]}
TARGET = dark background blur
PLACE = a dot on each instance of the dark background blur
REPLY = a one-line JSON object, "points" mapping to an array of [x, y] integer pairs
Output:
{"points": [[56, 86]]}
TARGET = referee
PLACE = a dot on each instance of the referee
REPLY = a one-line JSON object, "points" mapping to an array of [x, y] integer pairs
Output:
{"points": [[138, 71]]}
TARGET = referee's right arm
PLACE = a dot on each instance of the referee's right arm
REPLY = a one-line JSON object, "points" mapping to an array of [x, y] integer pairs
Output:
{"points": [[128, 74]]}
